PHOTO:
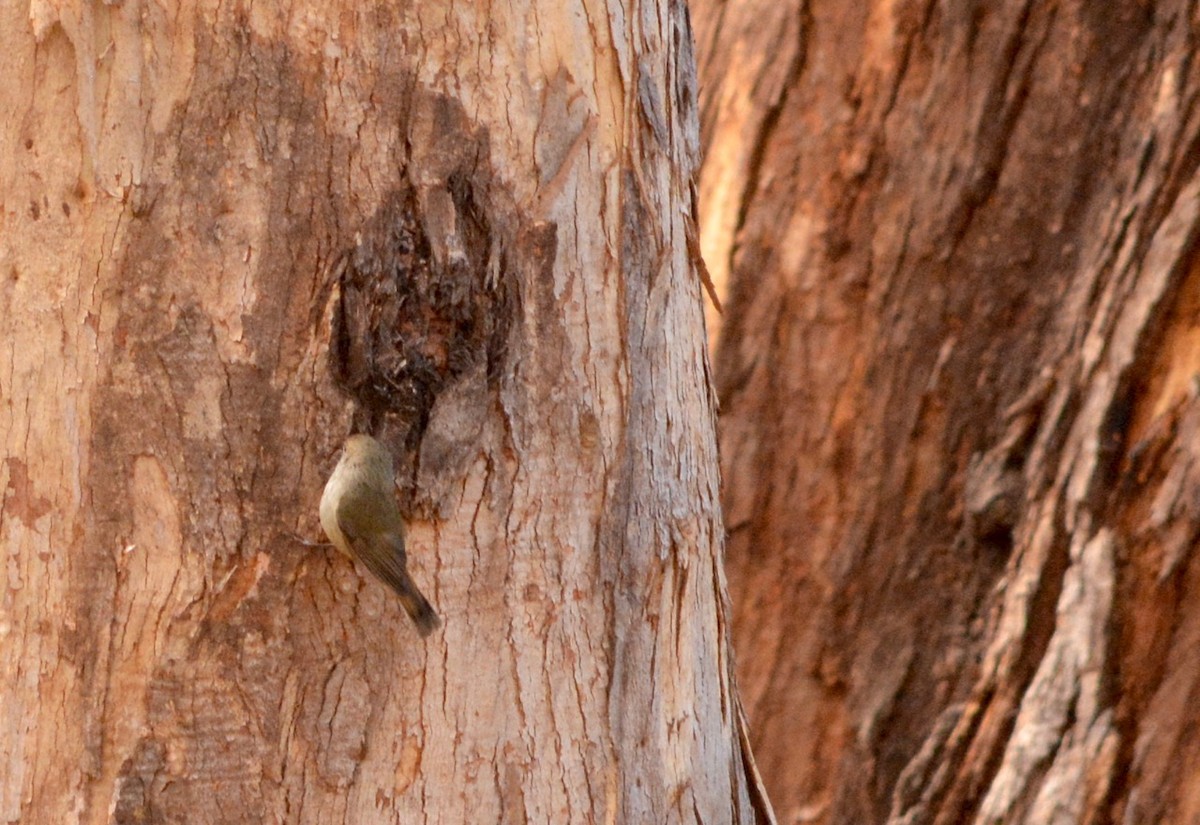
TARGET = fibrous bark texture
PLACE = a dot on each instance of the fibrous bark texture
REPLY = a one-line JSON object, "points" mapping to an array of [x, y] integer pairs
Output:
{"points": [[960, 407], [229, 233]]}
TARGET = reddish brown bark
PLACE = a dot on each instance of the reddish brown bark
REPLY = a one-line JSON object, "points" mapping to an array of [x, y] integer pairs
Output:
{"points": [[959, 408]]}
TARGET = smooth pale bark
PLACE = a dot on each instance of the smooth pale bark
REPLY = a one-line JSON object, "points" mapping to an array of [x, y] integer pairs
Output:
{"points": [[229, 231], [957, 378]]}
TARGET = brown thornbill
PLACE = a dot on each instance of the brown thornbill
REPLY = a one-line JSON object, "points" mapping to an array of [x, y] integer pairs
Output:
{"points": [[360, 516]]}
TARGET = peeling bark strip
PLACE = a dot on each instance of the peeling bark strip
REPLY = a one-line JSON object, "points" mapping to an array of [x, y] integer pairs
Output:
{"points": [[229, 230], [959, 413]]}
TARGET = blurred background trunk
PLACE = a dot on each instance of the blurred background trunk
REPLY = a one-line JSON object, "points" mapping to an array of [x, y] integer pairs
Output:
{"points": [[958, 374], [229, 233]]}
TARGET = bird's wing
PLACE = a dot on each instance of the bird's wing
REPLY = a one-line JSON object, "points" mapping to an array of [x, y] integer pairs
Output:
{"points": [[380, 550], [360, 513], [383, 555]]}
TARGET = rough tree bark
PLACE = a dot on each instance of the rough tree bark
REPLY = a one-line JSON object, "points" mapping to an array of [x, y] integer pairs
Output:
{"points": [[231, 231], [960, 389]]}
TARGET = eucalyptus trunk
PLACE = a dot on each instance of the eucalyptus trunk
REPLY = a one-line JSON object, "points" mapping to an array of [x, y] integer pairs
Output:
{"points": [[957, 376], [233, 233]]}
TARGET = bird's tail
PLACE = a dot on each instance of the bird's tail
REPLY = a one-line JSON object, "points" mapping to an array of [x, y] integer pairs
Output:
{"points": [[418, 608], [386, 560]]}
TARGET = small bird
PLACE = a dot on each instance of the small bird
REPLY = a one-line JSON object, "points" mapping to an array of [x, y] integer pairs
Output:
{"points": [[359, 514]]}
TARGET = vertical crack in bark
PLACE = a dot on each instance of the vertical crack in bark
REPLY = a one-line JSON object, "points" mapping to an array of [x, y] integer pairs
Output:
{"points": [[770, 118], [997, 119]]}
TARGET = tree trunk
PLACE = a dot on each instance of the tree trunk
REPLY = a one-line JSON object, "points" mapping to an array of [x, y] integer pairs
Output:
{"points": [[234, 232], [960, 414]]}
